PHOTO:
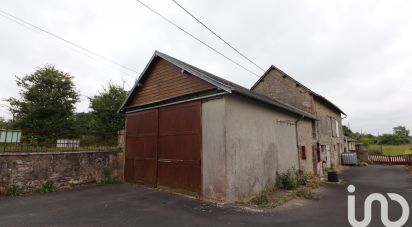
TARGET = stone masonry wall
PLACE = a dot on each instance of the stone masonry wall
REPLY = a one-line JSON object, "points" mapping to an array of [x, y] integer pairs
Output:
{"points": [[29, 171], [275, 85]]}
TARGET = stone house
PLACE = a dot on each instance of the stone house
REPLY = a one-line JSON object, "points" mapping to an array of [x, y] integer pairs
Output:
{"points": [[193, 132], [352, 145], [324, 137]]}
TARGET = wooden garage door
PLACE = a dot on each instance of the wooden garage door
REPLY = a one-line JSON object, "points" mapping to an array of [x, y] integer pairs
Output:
{"points": [[141, 147], [163, 147], [179, 155]]}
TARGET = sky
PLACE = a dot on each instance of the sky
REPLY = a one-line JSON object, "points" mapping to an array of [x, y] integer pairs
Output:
{"points": [[358, 54]]}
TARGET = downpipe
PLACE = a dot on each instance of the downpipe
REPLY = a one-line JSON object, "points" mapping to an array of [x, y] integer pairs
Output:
{"points": [[297, 138]]}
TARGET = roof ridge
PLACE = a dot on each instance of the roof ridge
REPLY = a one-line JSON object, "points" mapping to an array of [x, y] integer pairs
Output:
{"points": [[219, 82]]}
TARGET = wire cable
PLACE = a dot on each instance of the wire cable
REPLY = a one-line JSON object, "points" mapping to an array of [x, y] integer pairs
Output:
{"points": [[25, 24], [218, 36], [197, 39]]}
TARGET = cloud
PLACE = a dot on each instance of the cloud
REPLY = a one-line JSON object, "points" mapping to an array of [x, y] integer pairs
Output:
{"points": [[356, 53]]}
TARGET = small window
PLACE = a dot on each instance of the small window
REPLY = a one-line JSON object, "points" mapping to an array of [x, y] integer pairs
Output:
{"points": [[323, 148], [303, 152]]}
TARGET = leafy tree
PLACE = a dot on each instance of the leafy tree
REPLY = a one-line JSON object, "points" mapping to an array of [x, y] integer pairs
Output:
{"points": [[84, 122], [401, 133], [348, 132], [47, 102], [4, 124], [105, 107], [399, 136]]}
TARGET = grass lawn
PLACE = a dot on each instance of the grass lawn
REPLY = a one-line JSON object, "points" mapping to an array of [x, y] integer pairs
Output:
{"points": [[391, 150]]}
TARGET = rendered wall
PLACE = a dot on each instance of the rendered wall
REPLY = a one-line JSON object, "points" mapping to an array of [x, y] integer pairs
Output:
{"points": [[259, 142], [307, 140], [214, 181]]}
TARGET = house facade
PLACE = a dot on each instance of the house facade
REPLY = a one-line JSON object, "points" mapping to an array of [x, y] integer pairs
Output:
{"points": [[326, 135], [193, 132], [352, 145]]}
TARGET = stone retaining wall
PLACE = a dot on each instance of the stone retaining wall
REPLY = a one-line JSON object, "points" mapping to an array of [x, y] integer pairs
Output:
{"points": [[29, 171]]}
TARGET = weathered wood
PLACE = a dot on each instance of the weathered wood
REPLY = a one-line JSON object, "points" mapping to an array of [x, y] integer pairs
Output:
{"points": [[164, 81]]}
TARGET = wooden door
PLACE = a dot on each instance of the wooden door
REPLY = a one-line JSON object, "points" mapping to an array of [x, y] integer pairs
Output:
{"points": [[179, 154], [141, 147]]}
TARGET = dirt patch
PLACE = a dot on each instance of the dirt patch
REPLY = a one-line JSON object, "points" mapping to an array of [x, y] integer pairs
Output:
{"points": [[283, 199]]}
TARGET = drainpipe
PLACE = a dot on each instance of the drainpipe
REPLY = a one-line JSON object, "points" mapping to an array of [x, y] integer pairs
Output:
{"points": [[297, 137]]}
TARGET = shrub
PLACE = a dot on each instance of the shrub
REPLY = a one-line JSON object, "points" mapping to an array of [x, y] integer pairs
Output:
{"points": [[302, 177], [287, 180], [48, 186], [291, 179], [14, 190]]}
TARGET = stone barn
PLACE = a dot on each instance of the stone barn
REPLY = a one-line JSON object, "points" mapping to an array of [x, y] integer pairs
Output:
{"points": [[192, 132]]}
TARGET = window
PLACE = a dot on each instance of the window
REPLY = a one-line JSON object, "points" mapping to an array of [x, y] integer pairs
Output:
{"points": [[323, 148], [303, 152]]}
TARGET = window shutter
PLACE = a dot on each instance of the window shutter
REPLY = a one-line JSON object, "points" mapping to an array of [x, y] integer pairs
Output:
{"points": [[337, 128]]}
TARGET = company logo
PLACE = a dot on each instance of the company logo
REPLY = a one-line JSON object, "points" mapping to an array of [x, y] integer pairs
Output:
{"points": [[384, 209]]}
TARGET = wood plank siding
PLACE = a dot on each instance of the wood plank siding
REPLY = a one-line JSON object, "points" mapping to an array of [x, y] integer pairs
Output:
{"points": [[163, 81]]}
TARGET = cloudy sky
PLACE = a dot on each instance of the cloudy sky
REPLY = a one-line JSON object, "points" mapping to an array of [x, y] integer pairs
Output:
{"points": [[356, 53]]}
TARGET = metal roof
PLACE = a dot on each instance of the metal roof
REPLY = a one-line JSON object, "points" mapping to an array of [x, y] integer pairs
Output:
{"points": [[219, 82], [272, 67]]}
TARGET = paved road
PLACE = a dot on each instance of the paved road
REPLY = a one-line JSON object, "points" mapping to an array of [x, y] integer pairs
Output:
{"points": [[130, 205]]}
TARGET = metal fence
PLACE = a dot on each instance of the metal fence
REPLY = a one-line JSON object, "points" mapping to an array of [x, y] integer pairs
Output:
{"points": [[56, 141]]}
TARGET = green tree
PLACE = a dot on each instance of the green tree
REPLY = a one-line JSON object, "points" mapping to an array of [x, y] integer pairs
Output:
{"points": [[47, 101], [348, 132], [105, 107], [84, 122], [4, 124], [401, 133], [399, 136]]}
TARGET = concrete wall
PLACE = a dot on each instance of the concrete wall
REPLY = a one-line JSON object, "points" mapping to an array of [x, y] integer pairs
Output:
{"points": [[307, 140], [259, 141], [29, 171], [244, 144], [214, 181]]}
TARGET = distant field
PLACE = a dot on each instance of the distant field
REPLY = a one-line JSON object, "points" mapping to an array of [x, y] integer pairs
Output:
{"points": [[391, 149]]}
